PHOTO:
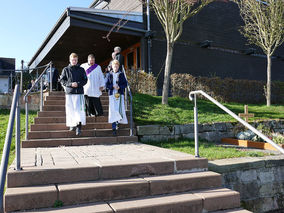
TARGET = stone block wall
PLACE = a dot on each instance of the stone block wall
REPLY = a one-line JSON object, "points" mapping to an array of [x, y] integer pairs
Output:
{"points": [[210, 132], [33, 101], [260, 181]]}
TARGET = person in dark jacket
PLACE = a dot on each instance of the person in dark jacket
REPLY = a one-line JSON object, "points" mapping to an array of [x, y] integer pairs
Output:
{"points": [[73, 78], [119, 57], [116, 83]]}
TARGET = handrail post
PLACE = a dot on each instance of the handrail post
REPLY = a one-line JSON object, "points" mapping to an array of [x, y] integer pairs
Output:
{"points": [[196, 127], [7, 145], [27, 118], [131, 116], [41, 95], [50, 77], [126, 98], [18, 136]]}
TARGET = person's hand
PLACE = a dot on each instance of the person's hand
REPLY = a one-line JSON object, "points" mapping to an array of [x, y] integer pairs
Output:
{"points": [[74, 84], [101, 88]]}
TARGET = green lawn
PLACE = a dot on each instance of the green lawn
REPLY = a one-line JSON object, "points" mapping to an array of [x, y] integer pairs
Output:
{"points": [[149, 110], [208, 150], [4, 119]]}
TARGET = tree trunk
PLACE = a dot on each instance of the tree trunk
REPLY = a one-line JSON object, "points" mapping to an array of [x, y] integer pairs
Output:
{"points": [[268, 84], [166, 84]]}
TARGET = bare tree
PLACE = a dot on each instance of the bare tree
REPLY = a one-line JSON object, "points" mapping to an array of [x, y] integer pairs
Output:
{"points": [[172, 14], [264, 27]]}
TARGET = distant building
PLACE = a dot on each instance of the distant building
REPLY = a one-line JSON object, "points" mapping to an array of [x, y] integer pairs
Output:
{"points": [[7, 70], [210, 45]]}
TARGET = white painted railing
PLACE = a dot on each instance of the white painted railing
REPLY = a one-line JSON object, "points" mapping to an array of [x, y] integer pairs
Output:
{"points": [[192, 97]]}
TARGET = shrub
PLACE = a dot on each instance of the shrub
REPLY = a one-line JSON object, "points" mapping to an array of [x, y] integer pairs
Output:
{"points": [[226, 90], [142, 82]]}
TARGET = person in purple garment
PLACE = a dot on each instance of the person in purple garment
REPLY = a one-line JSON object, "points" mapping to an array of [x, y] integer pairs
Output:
{"points": [[94, 87]]}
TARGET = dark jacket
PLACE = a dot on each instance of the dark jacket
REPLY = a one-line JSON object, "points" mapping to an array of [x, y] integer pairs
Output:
{"points": [[73, 74], [120, 58], [122, 83]]}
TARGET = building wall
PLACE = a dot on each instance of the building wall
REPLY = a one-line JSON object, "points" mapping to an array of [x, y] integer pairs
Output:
{"points": [[4, 84], [218, 22]]}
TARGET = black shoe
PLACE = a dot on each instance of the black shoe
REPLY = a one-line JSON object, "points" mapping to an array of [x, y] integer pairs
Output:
{"points": [[72, 128], [78, 131], [114, 132]]}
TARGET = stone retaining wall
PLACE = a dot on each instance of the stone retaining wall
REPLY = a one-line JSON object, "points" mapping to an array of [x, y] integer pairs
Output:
{"points": [[33, 100], [210, 132], [260, 181]]}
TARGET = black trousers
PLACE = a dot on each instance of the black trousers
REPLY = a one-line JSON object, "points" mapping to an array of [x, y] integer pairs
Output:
{"points": [[93, 106]]}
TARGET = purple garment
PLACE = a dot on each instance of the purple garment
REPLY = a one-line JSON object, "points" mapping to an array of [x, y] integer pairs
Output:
{"points": [[91, 68]]}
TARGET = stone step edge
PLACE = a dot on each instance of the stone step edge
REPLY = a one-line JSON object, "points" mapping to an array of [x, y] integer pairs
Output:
{"points": [[80, 141], [102, 190], [198, 200], [104, 171], [86, 130]]}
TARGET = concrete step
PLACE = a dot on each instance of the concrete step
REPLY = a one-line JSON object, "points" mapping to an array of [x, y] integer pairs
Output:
{"points": [[62, 102], [63, 173], [53, 120], [62, 113], [62, 93], [109, 190], [238, 210], [71, 134], [62, 126], [180, 203], [62, 107], [102, 207], [48, 98], [84, 208], [35, 143], [95, 191]]}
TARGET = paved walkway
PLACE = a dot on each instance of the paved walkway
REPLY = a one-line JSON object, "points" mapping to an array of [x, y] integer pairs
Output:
{"points": [[96, 155]]}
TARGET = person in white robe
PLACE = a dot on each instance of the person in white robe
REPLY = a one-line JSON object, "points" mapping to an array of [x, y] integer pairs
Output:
{"points": [[94, 87], [116, 83], [73, 78]]}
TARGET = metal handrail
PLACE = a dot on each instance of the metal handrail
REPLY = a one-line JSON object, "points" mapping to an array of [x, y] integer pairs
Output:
{"points": [[194, 93], [14, 112], [49, 65], [131, 98]]}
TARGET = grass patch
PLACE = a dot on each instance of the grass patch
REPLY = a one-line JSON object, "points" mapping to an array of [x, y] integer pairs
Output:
{"points": [[208, 150], [4, 119], [149, 110]]}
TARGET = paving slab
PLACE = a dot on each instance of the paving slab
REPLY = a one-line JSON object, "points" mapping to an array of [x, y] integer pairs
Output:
{"points": [[93, 162]]}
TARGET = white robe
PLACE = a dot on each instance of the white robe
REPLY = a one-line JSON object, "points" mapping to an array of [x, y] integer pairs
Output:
{"points": [[116, 109], [95, 81], [75, 110]]}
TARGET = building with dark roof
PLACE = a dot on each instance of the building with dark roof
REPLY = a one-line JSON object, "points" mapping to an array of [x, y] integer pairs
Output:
{"points": [[210, 45]]}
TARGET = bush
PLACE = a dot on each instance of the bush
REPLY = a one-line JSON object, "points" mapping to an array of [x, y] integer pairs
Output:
{"points": [[142, 82], [227, 90]]}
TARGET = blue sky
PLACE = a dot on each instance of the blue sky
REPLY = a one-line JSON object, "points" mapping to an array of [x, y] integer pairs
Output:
{"points": [[24, 24]]}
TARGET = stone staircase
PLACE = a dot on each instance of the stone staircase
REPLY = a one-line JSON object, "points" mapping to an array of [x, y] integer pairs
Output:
{"points": [[100, 173], [49, 128]]}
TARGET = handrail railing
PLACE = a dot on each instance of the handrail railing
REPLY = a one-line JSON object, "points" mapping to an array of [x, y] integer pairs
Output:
{"points": [[15, 112], [49, 65], [131, 109], [194, 93]]}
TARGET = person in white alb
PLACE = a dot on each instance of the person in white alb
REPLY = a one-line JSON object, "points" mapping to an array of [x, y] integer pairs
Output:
{"points": [[94, 87], [73, 78], [116, 83]]}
